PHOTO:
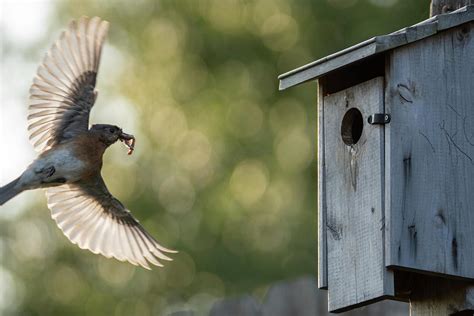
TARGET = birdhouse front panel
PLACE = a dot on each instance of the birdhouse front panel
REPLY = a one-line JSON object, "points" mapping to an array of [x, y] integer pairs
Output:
{"points": [[354, 195]]}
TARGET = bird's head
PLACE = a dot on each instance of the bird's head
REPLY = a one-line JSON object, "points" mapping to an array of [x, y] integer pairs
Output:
{"points": [[109, 134]]}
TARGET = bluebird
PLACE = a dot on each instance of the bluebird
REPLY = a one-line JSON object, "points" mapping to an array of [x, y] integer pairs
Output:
{"points": [[70, 152]]}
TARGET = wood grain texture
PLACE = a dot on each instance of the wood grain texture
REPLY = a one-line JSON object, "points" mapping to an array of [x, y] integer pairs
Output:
{"points": [[354, 197], [437, 296], [327, 64], [430, 154], [322, 241]]}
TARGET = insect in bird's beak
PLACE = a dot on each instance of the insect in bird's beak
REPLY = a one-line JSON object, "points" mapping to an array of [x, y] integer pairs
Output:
{"points": [[128, 140]]}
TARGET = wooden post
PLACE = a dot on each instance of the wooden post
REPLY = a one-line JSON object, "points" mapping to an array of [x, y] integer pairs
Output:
{"points": [[431, 296], [446, 6], [436, 296]]}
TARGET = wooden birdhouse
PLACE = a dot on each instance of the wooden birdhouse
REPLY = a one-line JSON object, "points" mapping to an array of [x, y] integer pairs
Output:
{"points": [[395, 159]]}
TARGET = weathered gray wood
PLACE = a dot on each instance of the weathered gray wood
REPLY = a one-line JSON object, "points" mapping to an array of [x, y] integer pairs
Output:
{"points": [[434, 296], [458, 17], [327, 64], [376, 45], [322, 241], [354, 197], [430, 154], [446, 6]]}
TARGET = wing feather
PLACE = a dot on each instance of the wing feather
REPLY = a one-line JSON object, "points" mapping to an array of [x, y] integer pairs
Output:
{"points": [[95, 234], [145, 249], [66, 80], [136, 252], [112, 244], [93, 219], [126, 244], [39, 130]]}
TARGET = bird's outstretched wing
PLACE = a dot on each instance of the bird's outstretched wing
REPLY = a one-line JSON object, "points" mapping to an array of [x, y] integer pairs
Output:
{"points": [[93, 219], [63, 91]]}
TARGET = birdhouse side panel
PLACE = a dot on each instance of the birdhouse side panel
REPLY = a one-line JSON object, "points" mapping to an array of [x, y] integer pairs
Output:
{"points": [[430, 154]]}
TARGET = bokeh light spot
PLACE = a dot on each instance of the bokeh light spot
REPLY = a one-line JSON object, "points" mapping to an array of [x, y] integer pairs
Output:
{"points": [[193, 150], [209, 283], [249, 182], [225, 15], [181, 273], [163, 37], [280, 32], [9, 298], [177, 194], [167, 124], [245, 119], [266, 234], [113, 272], [65, 285], [294, 151], [31, 240], [286, 115]]}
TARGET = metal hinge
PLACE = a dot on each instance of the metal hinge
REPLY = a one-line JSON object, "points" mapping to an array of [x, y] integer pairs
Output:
{"points": [[379, 118]]}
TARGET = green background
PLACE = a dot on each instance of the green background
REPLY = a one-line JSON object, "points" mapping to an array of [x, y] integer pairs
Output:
{"points": [[225, 165]]}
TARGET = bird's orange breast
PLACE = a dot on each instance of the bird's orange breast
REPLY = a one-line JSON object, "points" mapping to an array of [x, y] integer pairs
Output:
{"points": [[89, 149]]}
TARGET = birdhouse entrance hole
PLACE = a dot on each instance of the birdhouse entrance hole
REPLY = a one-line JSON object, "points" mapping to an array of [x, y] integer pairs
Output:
{"points": [[351, 127]]}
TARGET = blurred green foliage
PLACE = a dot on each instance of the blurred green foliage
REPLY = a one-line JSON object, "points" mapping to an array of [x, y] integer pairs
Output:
{"points": [[225, 166]]}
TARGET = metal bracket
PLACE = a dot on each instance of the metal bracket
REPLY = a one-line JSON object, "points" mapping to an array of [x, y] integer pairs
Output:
{"points": [[379, 118]]}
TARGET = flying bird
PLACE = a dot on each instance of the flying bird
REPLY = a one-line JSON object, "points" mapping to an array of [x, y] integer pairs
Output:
{"points": [[70, 152]]}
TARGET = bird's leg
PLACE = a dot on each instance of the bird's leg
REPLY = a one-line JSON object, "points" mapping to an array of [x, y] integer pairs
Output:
{"points": [[47, 171], [46, 175]]}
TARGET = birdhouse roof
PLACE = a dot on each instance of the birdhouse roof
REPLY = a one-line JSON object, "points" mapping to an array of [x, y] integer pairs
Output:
{"points": [[375, 46]]}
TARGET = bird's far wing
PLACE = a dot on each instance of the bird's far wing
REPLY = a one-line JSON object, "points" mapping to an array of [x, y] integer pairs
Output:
{"points": [[63, 91], [93, 219]]}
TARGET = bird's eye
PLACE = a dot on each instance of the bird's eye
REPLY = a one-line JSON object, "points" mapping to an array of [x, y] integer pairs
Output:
{"points": [[112, 130]]}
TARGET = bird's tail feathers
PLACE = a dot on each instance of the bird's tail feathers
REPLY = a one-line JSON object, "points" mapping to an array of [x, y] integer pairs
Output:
{"points": [[9, 191]]}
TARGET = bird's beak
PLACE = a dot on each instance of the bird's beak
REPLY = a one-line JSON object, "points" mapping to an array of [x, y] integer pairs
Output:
{"points": [[129, 141]]}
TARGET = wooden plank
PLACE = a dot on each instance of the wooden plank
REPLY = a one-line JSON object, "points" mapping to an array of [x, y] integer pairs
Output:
{"points": [[430, 148], [415, 33], [354, 198], [386, 42], [460, 16], [387, 163], [327, 64], [322, 241]]}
